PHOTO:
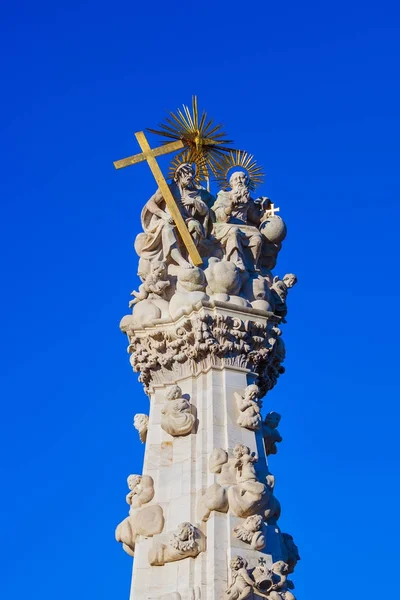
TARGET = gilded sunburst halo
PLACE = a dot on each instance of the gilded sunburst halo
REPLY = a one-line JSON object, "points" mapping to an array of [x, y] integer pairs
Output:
{"points": [[243, 161], [206, 144]]}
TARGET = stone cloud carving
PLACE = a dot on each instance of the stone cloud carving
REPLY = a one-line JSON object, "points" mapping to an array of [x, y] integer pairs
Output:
{"points": [[176, 416], [250, 532], [141, 423], [146, 521], [186, 541], [249, 408]]}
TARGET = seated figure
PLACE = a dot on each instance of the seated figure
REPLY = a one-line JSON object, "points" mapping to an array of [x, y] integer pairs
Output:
{"points": [[237, 218]]}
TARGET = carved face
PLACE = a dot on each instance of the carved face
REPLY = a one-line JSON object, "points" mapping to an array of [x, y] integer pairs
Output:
{"points": [[184, 531], [133, 481], [254, 523], [289, 280], [238, 179], [280, 567], [140, 421], [238, 563], [251, 392], [185, 175], [240, 450], [174, 393]]}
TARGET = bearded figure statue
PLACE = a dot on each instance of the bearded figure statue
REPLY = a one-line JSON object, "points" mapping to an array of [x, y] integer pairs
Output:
{"points": [[160, 242], [237, 218]]}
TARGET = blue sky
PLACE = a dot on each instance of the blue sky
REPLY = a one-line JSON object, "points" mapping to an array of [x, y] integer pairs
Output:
{"points": [[312, 90]]}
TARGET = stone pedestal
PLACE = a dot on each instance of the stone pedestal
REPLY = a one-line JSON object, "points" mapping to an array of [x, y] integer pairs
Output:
{"points": [[213, 353]]}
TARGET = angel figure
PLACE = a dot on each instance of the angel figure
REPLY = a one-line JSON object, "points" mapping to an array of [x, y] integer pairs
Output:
{"points": [[154, 284], [176, 415], [279, 289], [249, 408], [242, 582]]}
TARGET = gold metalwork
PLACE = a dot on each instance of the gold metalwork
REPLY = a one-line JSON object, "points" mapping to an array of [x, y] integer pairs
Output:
{"points": [[148, 154], [244, 161], [205, 142]]}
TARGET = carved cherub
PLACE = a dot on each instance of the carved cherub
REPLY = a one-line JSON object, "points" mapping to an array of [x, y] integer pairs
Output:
{"points": [[141, 490], [281, 585], [186, 541], [155, 283], [270, 433], [176, 415], [250, 532], [249, 407], [279, 289], [141, 423], [244, 463], [242, 582]]}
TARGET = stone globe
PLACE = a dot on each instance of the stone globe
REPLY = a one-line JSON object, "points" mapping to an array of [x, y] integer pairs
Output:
{"points": [[274, 229]]}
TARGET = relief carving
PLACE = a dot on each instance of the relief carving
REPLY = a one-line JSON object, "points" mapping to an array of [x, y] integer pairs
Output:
{"points": [[146, 521], [186, 541], [237, 488], [141, 424], [261, 581], [201, 340], [176, 415], [250, 532], [249, 408]]}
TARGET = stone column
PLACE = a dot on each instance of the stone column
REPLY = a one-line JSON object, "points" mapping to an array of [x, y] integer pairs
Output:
{"points": [[203, 519]]}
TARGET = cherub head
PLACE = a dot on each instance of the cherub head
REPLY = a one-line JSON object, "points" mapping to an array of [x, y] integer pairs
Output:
{"points": [[185, 532], [133, 481], [280, 567], [272, 419], [253, 523], [238, 563], [140, 421], [289, 280], [240, 450], [251, 392], [174, 393]]}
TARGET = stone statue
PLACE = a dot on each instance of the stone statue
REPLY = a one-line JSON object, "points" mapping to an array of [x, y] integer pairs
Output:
{"points": [[146, 521], [153, 286], [242, 584], [141, 490], [250, 532], [141, 423], [290, 552], [280, 288], [237, 488], [280, 584], [160, 242], [237, 220], [249, 407], [176, 416], [270, 433], [186, 541]]}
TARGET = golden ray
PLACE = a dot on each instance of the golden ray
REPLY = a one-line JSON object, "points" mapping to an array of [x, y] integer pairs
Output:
{"points": [[242, 160], [205, 142]]}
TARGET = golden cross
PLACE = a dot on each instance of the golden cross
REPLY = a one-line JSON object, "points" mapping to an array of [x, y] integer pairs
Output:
{"points": [[149, 154]]}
